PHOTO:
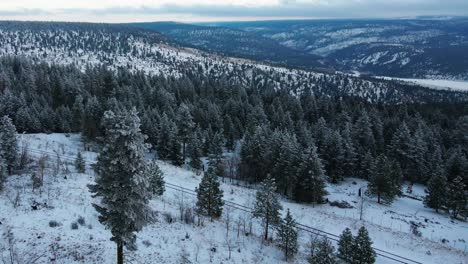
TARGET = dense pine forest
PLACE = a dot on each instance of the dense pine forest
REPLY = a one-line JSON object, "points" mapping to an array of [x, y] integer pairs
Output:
{"points": [[301, 141]]}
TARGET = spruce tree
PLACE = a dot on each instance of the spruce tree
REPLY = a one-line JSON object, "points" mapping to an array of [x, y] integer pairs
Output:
{"points": [[311, 183], [381, 182], [156, 178], [436, 192], [287, 235], [80, 164], [457, 197], [195, 151], [185, 126], [209, 195], [363, 253], [345, 245], [215, 157], [8, 143], [3, 171], [120, 181], [333, 154], [267, 206], [323, 253]]}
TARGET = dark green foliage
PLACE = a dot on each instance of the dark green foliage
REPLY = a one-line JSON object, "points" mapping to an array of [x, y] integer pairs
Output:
{"points": [[311, 183], [287, 235], [267, 206], [156, 178], [436, 192], [215, 157], [209, 196], [195, 151], [3, 171], [345, 245], [323, 253], [121, 184], [384, 182], [185, 126], [362, 253], [457, 197], [80, 164], [274, 126], [8, 144], [168, 146]]}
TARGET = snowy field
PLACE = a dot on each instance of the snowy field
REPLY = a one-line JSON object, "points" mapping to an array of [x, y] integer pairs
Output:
{"points": [[65, 197], [435, 84]]}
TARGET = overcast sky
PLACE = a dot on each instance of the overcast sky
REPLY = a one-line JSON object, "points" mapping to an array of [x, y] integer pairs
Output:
{"points": [[221, 10]]}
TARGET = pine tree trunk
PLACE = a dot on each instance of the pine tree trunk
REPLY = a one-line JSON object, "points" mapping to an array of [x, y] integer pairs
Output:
{"points": [[266, 229], [183, 151], [378, 198], [119, 253]]}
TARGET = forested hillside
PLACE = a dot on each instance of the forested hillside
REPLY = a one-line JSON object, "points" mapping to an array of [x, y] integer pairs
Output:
{"points": [[198, 116], [137, 50]]}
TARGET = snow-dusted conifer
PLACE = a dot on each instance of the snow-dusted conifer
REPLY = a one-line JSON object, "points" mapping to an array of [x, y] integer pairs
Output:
{"points": [[363, 253], [381, 181], [195, 151], [267, 206], [80, 164], [3, 171], [323, 254], [311, 184], [185, 126], [121, 184], [215, 158], [436, 192], [8, 143], [209, 195], [287, 235], [156, 178], [457, 197], [345, 245]]}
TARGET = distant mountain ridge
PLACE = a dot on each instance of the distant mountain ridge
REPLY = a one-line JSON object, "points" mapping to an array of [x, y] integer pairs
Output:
{"points": [[428, 47], [235, 42]]}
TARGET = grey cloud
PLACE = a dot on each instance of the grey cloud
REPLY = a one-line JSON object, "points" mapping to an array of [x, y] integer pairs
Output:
{"points": [[287, 8]]}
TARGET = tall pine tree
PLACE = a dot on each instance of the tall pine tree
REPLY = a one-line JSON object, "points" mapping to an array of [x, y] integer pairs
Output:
{"points": [[345, 245], [457, 198], [287, 235], [323, 253], [267, 206], [156, 178], [209, 195], [185, 126], [363, 253], [382, 182], [436, 192], [311, 183], [120, 181], [8, 143], [80, 164], [3, 171]]}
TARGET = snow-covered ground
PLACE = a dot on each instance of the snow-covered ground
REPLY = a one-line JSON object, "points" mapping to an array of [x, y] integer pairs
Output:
{"points": [[161, 242], [435, 84]]}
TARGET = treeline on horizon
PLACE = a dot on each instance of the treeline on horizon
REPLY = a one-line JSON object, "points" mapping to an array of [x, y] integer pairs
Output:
{"points": [[272, 132]]}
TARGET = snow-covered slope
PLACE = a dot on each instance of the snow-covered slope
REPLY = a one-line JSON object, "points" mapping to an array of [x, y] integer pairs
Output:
{"points": [[442, 240], [435, 84]]}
